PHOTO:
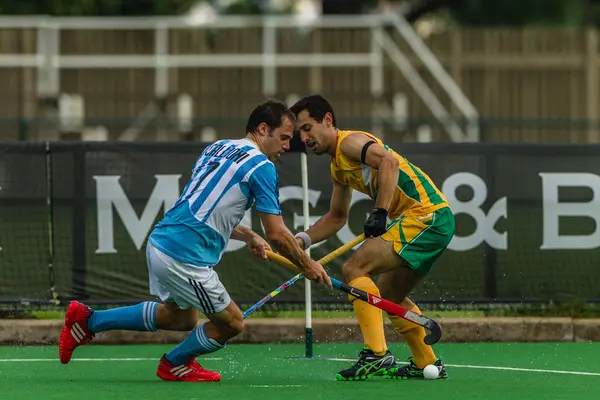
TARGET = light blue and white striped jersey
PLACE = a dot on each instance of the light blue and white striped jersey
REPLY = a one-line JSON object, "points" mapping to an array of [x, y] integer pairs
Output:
{"points": [[229, 176]]}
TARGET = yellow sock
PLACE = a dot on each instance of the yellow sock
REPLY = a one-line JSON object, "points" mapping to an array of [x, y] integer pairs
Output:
{"points": [[413, 335], [369, 318]]}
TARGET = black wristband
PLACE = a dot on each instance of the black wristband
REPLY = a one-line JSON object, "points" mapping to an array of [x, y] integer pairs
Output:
{"points": [[379, 210]]}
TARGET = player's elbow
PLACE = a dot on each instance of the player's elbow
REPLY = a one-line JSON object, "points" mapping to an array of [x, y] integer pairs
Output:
{"points": [[389, 161], [338, 219]]}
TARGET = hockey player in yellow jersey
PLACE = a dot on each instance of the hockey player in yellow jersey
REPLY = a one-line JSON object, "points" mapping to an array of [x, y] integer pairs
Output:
{"points": [[409, 228]]}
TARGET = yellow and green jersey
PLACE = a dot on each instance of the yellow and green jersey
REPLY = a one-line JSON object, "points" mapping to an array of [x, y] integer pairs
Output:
{"points": [[415, 195]]}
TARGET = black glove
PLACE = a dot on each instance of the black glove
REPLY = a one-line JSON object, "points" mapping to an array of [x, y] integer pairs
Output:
{"points": [[376, 223]]}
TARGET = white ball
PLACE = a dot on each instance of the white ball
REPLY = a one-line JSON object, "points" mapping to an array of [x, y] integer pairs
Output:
{"points": [[431, 372]]}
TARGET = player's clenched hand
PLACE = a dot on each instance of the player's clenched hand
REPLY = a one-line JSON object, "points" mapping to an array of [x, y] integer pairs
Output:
{"points": [[258, 247], [316, 272], [376, 223]]}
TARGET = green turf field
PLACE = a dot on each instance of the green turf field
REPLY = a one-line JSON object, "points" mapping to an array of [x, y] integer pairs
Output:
{"points": [[489, 371]]}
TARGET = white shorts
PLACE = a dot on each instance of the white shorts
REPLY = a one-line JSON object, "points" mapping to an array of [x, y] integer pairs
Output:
{"points": [[184, 284]]}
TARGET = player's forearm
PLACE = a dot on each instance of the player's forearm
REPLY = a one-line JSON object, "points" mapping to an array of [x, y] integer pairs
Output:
{"points": [[327, 226], [242, 233], [285, 243], [387, 181]]}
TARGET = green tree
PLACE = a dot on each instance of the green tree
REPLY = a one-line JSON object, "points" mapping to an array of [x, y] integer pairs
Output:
{"points": [[520, 12], [510, 12], [94, 7]]}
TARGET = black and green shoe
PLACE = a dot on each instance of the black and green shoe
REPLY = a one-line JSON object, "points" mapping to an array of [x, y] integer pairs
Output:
{"points": [[367, 366], [411, 371]]}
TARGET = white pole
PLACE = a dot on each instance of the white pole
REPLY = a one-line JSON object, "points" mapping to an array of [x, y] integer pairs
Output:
{"points": [[269, 68], [307, 292]]}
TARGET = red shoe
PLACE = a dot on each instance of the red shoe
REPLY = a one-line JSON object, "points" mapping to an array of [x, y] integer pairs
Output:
{"points": [[190, 372], [75, 332]]}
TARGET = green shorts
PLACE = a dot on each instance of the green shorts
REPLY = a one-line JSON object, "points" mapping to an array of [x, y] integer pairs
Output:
{"points": [[421, 240]]}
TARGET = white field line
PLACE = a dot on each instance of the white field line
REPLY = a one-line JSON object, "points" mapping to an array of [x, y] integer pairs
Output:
{"points": [[277, 386]]}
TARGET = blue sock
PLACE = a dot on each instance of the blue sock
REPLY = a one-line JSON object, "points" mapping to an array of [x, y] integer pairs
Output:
{"points": [[141, 317], [194, 345]]}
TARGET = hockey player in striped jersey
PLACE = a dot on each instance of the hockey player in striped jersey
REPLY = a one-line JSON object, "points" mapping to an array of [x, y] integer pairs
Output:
{"points": [[186, 245]]}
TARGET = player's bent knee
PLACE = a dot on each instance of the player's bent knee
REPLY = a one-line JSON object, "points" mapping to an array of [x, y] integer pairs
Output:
{"points": [[229, 325], [231, 329], [237, 326], [235, 323], [353, 270]]}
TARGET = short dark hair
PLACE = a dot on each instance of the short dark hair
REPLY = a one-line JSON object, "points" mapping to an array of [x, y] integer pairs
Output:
{"points": [[271, 112], [316, 105]]}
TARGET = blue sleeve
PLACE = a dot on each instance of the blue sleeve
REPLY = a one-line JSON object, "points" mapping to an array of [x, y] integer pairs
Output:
{"points": [[264, 185]]}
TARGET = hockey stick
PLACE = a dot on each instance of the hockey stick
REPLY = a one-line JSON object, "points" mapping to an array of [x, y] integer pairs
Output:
{"points": [[325, 260], [435, 331]]}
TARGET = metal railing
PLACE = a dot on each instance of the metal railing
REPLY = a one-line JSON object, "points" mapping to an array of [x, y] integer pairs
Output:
{"points": [[48, 59]]}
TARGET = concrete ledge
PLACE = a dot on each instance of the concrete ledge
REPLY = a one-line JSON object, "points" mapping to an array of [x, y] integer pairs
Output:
{"points": [[284, 330], [508, 330], [586, 330]]}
